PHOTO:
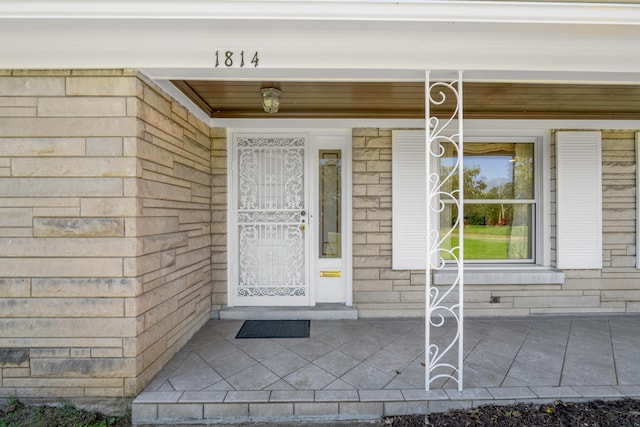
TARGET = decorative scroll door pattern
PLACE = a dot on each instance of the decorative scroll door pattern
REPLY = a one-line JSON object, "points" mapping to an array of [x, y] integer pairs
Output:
{"points": [[271, 216]]}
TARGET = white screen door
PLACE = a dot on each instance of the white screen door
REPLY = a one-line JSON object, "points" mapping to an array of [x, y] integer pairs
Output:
{"points": [[271, 219]]}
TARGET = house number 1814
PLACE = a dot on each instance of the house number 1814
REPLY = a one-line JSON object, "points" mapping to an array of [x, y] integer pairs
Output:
{"points": [[229, 59]]}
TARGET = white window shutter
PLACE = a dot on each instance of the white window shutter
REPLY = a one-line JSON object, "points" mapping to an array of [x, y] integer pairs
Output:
{"points": [[409, 200], [579, 200]]}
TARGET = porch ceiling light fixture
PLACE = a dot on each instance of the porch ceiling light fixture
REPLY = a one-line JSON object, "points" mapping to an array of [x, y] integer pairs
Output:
{"points": [[270, 99]]}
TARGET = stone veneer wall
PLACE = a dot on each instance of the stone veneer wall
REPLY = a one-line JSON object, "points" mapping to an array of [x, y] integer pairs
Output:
{"points": [[380, 291], [219, 217], [105, 241]]}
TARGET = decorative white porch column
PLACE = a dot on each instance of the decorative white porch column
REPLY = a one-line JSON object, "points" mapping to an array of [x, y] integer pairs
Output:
{"points": [[445, 225]]}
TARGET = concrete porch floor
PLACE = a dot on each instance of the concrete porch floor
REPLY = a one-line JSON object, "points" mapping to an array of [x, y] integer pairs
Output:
{"points": [[364, 369]]}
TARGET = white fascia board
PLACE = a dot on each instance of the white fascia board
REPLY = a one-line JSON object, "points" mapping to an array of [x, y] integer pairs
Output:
{"points": [[313, 45], [391, 75], [331, 10], [479, 127]]}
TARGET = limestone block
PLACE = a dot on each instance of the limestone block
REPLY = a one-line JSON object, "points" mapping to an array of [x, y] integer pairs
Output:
{"points": [[386, 313], [621, 295], [158, 124], [364, 250], [162, 242], [106, 352], [582, 274], [56, 212], [32, 86], [18, 101], [382, 142], [67, 126], [557, 302], [15, 217], [365, 154], [387, 273], [103, 86], [49, 352], [104, 147], [61, 187], [81, 107], [365, 226], [362, 177], [374, 297], [202, 191], [78, 227], [378, 238], [157, 100], [147, 263], [364, 132], [15, 288], [110, 207], [378, 166], [412, 296], [370, 285], [574, 310], [40, 392], [86, 167], [359, 238], [618, 238], [153, 189], [623, 261], [42, 147], [67, 328], [151, 225], [199, 148], [372, 261], [80, 352], [61, 267], [13, 357], [366, 273], [190, 174], [17, 111], [16, 372], [71, 247], [379, 190], [190, 216], [85, 288], [59, 307], [83, 368], [358, 166], [633, 307], [366, 202], [375, 214]]}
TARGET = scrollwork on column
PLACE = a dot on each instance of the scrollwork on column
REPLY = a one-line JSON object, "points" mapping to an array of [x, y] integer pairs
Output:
{"points": [[445, 225]]}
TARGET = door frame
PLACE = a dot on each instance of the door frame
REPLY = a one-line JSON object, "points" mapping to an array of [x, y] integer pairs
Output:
{"points": [[311, 182]]}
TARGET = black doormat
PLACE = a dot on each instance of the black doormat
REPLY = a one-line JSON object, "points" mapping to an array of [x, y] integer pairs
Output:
{"points": [[274, 329]]}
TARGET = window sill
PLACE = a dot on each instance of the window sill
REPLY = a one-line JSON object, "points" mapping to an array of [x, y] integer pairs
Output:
{"points": [[502, 276]]}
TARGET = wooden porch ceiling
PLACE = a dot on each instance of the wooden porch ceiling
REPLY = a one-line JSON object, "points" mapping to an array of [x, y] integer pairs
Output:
{"points": [[405, 100]]}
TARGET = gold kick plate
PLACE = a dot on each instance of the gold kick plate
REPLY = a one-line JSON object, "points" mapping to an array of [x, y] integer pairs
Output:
{"points": [[331, 273]]}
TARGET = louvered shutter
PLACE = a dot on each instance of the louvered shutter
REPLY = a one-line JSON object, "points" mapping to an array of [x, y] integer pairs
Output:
{"points": [[579, 200], [409, 200]]}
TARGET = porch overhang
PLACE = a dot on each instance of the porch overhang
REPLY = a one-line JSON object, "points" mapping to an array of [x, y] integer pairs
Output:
{"points": [[581, 41]]}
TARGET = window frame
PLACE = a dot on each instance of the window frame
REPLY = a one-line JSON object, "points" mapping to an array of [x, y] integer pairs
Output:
{"points": [[537, 213]]}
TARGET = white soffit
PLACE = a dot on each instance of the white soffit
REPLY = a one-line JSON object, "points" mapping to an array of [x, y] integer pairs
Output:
{"points": [[567, 12], [328, 40]]}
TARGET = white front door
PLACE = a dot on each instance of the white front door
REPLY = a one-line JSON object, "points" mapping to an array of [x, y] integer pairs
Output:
{"points": [[288, 218], [270, 220]]}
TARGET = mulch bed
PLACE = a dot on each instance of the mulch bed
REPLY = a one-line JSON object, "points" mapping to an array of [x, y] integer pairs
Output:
{"points": [[618, 413], [15, 414]]}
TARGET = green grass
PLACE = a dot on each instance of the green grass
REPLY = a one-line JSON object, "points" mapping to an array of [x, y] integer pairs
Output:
{"points": [[489, 242]]}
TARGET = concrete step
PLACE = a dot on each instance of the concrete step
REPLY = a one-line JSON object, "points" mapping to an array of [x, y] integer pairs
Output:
{"points": [[318, 312]]}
